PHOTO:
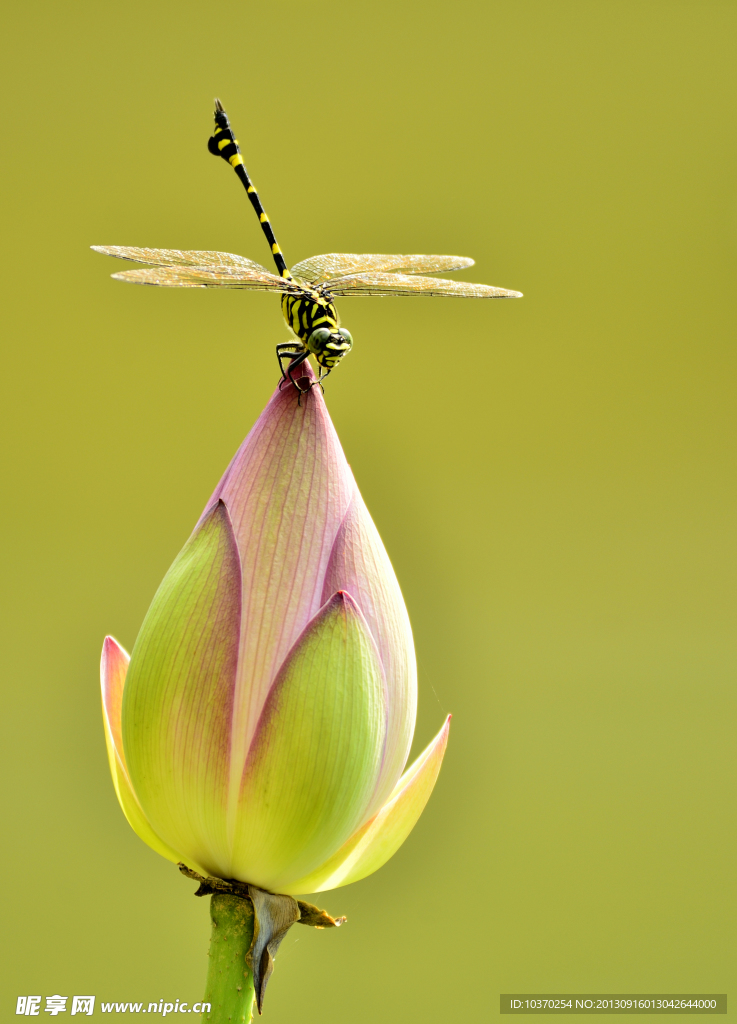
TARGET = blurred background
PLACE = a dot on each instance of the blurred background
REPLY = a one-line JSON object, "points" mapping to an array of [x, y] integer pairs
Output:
{"points": [[553, 478]]}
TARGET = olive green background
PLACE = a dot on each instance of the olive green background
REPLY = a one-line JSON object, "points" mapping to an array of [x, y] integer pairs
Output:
{"points": [[553, 478]]}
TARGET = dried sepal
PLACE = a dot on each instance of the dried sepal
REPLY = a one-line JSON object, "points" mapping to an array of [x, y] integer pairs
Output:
{"points": [[273, 917]]}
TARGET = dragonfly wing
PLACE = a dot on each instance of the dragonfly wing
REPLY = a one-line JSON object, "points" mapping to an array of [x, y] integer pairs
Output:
{"points": [[208, 277], [178, 258], [319, 269], [406, 284]]}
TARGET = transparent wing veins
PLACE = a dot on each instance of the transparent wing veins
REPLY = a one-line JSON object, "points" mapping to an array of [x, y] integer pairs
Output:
{"points": [[204, 277], [179, 258], [332, 265], [343, 273], [406, 284]]}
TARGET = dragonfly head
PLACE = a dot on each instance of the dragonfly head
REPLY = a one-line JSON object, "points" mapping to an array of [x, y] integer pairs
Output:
{"points": [[329, 347]]}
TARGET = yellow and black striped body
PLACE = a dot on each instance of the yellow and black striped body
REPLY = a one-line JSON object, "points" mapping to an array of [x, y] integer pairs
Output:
{"points": [[309, 311], [304, 315], [223, 143]]}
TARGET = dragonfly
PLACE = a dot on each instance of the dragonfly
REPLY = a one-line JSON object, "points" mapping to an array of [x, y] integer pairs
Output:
{"points": [[309, 289]]}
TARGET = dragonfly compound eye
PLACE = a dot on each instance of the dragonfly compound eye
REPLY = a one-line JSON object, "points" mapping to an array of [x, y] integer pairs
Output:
{"points": [[347, 335], [318, 340], [328, 347]]}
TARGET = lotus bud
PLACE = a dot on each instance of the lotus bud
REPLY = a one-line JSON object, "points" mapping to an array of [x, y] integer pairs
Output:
{"points": [[260, 729]]}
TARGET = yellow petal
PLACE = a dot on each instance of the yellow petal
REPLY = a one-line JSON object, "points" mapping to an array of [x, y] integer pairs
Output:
{"points": [[378, 840]]}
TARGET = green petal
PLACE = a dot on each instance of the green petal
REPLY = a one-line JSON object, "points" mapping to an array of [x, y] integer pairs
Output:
{"points": [[379, 839], [113, 668], [179, 692], [359, 564], [316, 754]]}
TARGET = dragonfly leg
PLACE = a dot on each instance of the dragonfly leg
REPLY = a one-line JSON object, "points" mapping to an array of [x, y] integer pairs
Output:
{"points": [[293, 366], [322, 375], [287, 349]]}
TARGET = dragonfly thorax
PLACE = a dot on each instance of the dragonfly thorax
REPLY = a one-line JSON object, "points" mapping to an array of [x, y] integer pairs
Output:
{"points": [[314, 319]]}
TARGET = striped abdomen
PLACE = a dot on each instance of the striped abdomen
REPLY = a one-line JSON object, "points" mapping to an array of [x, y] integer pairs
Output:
{"points": [[224, 143]]}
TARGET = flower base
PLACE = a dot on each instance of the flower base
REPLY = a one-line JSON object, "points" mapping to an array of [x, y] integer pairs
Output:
{"points": [[248, 925]]}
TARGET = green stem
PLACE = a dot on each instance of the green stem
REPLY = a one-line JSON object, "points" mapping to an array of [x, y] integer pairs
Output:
{"points": [[229, 988]]}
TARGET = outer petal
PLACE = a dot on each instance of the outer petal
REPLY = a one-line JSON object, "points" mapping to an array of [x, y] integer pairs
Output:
{"points": [[113, 669], [179, 694], [317, 752], [360, 565], [379, 839], [287, 490]]}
